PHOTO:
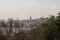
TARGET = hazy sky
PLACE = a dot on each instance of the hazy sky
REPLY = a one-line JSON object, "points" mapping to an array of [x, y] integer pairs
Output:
{"points": [[23, 9]]}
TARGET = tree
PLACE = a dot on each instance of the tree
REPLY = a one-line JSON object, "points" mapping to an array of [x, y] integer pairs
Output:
{"points": [[16, 24], [3, 23], [10, 24], [2, 37], [52, 28]]}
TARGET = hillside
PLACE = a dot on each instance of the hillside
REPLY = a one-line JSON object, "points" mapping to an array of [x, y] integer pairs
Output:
{"points": [[25, 25]]}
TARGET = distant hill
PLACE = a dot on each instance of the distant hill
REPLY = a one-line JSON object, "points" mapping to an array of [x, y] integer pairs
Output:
{"points": [[26, 25]]}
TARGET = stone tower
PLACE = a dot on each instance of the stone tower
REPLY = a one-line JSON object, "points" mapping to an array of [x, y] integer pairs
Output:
{"points": [[30, 17]]}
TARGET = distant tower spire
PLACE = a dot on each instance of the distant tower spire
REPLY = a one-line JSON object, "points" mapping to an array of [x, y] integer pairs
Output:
{"points": [[30, 17]]}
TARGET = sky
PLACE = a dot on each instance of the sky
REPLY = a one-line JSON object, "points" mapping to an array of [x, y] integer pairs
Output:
{"points": [[23, 9]]}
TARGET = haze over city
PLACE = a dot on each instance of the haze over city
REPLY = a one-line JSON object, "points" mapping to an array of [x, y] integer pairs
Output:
{"points": [[29, 19], [23, 9]]}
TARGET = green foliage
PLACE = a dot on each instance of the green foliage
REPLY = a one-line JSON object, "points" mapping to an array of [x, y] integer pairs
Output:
{"points": [[53, 28]]}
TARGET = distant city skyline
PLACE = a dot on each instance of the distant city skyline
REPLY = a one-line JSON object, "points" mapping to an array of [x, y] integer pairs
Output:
{"points": [[23, 9]]}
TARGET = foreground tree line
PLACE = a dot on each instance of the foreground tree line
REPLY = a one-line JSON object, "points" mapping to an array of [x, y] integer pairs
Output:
{"points": [[48, 31]]}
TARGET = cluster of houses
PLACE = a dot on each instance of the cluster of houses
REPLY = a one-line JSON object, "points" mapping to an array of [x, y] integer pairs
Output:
{"points": [[26, 25]]}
